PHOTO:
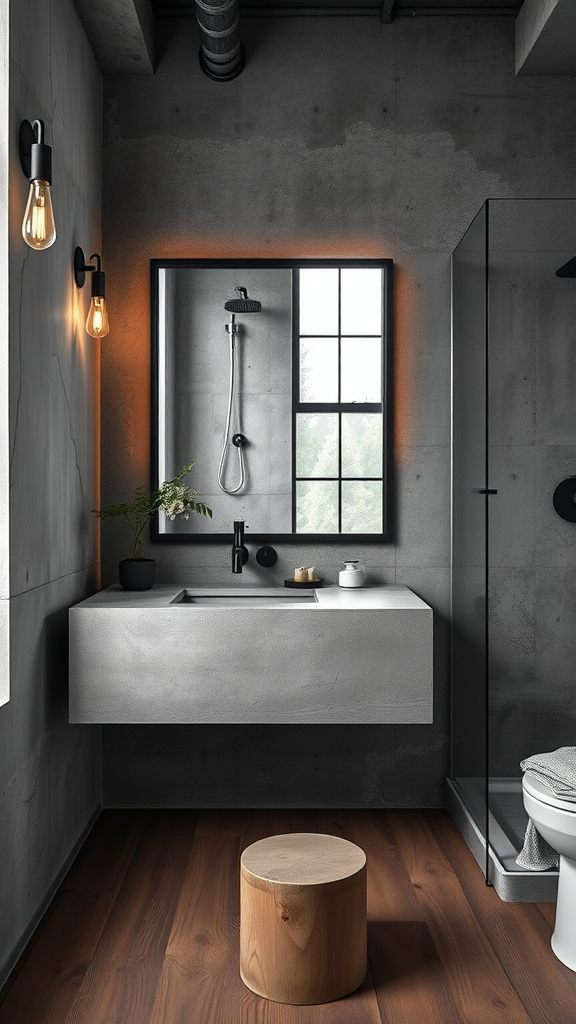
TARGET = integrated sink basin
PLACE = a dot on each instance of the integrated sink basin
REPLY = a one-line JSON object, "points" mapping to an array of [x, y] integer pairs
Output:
{"points": [[270, 655], [268, 597]]}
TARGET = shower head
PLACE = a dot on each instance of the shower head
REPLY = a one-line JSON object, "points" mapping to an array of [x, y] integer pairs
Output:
{"points": [[244, 304]]}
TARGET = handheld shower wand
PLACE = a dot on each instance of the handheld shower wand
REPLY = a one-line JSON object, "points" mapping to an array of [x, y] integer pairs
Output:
{"points": [[233, 306]]}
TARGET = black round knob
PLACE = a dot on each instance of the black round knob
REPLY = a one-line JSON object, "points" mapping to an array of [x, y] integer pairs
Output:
{"points": [[266, 556], [564, 499], [238, 440]]}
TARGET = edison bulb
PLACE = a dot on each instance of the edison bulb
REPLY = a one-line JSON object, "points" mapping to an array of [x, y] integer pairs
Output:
{"points": [[38, 227], [97, 320]]}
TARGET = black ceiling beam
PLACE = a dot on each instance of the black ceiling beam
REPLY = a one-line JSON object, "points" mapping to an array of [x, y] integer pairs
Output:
{"points": [[386, 11]]}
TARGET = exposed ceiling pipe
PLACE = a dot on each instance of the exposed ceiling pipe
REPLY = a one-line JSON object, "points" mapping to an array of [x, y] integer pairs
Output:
{"points": [[221, 51]]}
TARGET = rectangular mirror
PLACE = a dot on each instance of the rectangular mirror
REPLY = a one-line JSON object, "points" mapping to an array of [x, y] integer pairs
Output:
{"points": [[275, 376]]}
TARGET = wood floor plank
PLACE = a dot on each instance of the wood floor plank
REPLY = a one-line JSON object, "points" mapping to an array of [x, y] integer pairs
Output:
{"points": [[47, 982], [390, 892], [220, 822], [306, 821], [548, 911], [254, 1010], [266, 822], [360, 1007], [410, 983], [408, 976], [519, 935], [316, 820], [331, 822], [120, 984], [478, 982], [199, 979]]}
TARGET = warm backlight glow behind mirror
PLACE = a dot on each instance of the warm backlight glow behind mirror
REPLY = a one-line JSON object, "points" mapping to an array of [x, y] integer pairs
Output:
{"points": [[311, 394]]}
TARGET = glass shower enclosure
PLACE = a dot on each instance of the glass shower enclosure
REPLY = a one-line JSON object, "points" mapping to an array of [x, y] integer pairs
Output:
{"points": [[513, 555]]}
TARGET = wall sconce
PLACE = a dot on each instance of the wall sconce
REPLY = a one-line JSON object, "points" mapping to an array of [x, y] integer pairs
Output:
{"points": [[97, 320], [38, 227]]}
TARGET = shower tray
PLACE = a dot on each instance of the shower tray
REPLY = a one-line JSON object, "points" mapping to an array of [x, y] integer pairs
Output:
{"points": [[507, 824]]}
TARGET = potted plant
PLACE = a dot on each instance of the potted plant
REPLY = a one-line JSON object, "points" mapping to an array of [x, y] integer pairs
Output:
{"points": [[174, 498]]}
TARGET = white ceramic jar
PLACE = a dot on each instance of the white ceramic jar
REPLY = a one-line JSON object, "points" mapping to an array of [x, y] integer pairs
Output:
{"points": [[352, 575]]}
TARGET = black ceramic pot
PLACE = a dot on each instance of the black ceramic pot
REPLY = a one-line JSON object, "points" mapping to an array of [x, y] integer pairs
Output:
{"points": [[137, 573]]}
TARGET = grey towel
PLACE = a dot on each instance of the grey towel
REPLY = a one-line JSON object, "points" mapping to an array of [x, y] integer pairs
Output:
{"points": [[536, 854], [557, 770]]}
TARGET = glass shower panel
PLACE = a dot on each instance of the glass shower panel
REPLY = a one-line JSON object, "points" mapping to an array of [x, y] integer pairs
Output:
{"points": [[513, 555], [532, 448], [469, 521]]}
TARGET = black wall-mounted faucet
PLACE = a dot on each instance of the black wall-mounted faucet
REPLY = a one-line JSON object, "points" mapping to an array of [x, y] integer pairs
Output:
{"points": [[240, 553]]}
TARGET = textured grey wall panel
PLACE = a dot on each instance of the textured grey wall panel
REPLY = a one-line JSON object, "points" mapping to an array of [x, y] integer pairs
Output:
{"points": [[49, 770]]}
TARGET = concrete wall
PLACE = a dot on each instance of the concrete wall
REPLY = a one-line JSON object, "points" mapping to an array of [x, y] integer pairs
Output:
{"points": [[49, 771], [198, 374], [342, 137]]}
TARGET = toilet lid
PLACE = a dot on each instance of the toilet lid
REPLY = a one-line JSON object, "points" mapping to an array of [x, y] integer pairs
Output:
{"points": [[541, 792]]}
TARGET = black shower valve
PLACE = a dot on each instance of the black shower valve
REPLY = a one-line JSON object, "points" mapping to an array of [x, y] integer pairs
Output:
{"points": [[266, 556], [564, 499]]}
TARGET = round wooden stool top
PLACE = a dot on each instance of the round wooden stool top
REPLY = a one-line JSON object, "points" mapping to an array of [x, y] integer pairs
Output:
{"points": [[303, 917], [303, 858]]}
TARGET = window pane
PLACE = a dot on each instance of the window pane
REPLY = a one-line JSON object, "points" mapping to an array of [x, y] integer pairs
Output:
{"points": [[361, 301], [319, 301], [316, 444], [317, 506], [361, 506], [319, 369], [361, 444], [361, 370]]}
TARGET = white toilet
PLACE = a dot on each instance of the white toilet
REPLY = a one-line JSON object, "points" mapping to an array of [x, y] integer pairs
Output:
{"points": [[555, 820]]}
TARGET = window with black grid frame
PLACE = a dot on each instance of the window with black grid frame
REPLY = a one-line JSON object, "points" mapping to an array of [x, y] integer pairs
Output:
{"points": [[339, 390]]}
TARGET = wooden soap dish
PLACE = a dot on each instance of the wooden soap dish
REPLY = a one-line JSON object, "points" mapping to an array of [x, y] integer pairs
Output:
{"points": [[304, 584]]}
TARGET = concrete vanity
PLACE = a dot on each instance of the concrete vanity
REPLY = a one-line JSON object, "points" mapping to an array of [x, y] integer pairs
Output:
{"points": [[178, 654]]}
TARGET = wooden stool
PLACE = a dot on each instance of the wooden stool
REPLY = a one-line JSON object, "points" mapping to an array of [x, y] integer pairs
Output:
{"points": [[303, 918]]}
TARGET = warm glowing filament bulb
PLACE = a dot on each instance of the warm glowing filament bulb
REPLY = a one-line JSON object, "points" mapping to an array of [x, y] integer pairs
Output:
{"points": [[38, 227], [97, 320]]}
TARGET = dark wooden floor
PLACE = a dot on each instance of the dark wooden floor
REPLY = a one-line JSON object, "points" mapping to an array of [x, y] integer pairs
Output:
{"points": [[144, 929]]}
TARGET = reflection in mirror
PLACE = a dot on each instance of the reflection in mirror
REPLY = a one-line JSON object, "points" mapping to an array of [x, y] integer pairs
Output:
{"points": [[286, 408]]}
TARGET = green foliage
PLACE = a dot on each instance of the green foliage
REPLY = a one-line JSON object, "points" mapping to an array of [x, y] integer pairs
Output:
{"points": [[174, 498], [317, 456]]}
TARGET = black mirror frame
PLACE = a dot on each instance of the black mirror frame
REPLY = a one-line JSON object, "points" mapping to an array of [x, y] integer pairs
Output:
{"points": [[387, 535]]}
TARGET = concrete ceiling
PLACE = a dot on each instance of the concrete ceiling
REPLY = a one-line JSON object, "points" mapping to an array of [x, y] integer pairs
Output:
{"points": [[121, 32], [369, 8]]}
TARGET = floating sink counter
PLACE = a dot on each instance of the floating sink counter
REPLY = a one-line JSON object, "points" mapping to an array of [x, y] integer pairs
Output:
{"points": [[179, 655]]}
